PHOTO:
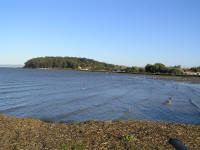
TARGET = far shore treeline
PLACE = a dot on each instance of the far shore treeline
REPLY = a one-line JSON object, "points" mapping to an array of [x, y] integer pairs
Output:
{"points": [[68, 63], [75, 63]]}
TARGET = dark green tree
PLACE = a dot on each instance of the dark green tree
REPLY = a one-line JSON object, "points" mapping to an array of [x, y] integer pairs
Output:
{"points": [[67, 62]]}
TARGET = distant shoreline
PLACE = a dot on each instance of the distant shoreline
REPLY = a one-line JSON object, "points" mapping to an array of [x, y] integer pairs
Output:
{"points": [[85, 64], [156, 74], [181, 78]]}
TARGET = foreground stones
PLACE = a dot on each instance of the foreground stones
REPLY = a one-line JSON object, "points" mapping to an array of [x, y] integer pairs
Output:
{"points": [[31, 134]]}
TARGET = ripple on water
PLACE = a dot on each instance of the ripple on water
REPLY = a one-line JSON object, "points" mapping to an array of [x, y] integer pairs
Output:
{"points": [[81, 96]]}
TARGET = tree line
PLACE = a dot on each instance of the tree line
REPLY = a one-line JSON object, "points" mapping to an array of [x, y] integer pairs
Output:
{"points": [[76, 63], [195, 69], [159, 68], [67, 63]]}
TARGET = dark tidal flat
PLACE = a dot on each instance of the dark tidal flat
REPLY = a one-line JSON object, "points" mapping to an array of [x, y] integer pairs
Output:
{"points": [[74, 96]]}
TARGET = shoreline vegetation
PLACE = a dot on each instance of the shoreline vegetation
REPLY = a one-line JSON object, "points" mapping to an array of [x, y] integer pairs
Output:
{"points": [[85, 64], [156, 71], [29, 133]]}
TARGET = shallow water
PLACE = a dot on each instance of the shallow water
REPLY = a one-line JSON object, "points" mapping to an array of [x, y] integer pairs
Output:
{"points": [[79, 96]]}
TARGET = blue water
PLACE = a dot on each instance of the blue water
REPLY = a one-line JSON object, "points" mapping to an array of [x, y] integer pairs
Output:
{"points": [[80, 96]]}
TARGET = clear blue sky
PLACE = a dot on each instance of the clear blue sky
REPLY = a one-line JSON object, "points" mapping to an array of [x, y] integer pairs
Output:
{"points": [[125, 32]]}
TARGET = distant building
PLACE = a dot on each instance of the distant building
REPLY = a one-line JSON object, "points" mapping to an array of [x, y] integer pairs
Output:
{"points": [[192, 73], [119, 71], [84, 69]]}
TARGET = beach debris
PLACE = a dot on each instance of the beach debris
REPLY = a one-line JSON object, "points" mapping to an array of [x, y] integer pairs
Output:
{"points": [[168, 102]]}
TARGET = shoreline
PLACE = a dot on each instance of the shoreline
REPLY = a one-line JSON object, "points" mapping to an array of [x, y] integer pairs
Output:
{"points": [[180, 78], [145, 73], [29, 133]]}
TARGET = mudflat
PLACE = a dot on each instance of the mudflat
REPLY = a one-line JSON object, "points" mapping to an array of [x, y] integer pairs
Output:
{"points": [[32, 134], [180, 78]]}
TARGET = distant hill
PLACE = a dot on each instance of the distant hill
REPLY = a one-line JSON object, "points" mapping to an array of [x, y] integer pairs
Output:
{"points": [[69, 63]]}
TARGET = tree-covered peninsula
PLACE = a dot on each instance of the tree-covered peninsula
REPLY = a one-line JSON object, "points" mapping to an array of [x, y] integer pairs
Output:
{"points": [[75, 63], [68, 63]]}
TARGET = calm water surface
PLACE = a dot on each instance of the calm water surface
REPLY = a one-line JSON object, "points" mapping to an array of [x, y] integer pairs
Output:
{"points": [[79, 96]]}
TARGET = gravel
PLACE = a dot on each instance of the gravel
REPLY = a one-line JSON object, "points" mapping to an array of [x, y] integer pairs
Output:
{"points": [[32, 134]]}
